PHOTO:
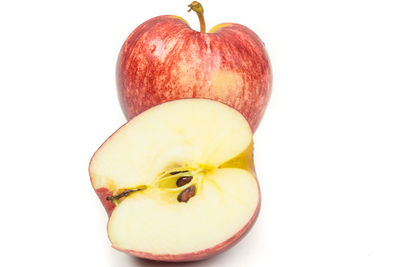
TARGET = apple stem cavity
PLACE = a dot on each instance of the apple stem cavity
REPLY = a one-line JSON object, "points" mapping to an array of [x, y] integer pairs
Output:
{"points": [[198, 8]]}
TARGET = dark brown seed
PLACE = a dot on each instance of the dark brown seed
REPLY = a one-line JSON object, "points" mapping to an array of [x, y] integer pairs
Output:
{"points": [[187, 194], [173, 173], [183, 180]]}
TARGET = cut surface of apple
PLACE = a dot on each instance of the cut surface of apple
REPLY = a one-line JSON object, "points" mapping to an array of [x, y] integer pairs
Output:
{"points": [[178, 181]]}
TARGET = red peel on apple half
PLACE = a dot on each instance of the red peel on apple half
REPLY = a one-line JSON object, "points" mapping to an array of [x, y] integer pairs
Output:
{"points": [[163, 59], [178, 181]]}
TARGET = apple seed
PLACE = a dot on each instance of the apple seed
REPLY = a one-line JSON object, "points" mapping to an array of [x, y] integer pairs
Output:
{"points": [[183, 180], [176, 172], [187, 194]]}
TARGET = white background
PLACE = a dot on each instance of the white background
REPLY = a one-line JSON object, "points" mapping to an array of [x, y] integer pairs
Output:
{"points": [[327, 151]]}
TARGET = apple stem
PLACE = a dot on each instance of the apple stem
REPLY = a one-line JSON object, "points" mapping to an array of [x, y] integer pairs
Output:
{"points": [[198, 8]]}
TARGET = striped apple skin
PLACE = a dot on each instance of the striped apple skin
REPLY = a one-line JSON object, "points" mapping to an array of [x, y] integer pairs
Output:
{"points": [[164, 59]]}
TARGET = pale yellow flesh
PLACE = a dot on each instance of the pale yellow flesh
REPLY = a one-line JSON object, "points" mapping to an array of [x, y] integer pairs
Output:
{"points": [[155, 222], [196, 133], [191, 131]]}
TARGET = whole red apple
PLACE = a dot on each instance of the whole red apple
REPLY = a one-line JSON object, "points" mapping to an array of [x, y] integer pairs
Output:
{"points": [[164, 59]]}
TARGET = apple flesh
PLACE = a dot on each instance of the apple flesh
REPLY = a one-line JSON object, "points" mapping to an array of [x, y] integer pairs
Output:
{"points": [[178, 181], [164, 59]]}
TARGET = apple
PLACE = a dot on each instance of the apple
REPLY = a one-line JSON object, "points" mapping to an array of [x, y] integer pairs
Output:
{"points": [[164, 59], [178, 181]]}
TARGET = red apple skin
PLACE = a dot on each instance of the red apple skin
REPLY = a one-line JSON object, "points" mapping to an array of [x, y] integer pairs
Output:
{"points": [[164, 59], [103, 193]]}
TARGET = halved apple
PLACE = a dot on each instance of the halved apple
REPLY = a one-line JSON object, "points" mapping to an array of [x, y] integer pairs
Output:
{"points": [[178, 181]]}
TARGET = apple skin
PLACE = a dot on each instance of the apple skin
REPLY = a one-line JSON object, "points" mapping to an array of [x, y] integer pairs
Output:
{"points": [[103, 193], [164, 59]]}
